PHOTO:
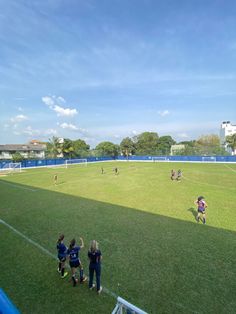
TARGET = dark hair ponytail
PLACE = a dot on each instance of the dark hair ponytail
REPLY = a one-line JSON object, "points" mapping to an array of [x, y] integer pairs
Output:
{"points": [[72, 244], [61, 238]]}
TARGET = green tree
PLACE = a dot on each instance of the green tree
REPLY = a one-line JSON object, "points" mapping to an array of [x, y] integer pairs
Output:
{"points": [[107, 149], [146, 143], [231, 141], [81, 149], [68, 148], [17, 157], [127, 147], [54, 147], [164, 144], [208, 144]]}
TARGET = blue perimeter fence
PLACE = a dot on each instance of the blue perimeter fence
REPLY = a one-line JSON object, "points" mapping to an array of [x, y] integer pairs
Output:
{"points": [[61, 161]]}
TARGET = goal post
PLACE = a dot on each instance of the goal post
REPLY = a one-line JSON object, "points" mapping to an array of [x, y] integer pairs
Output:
{"points": [[124, 307], [208, 159], [11, 167], [160, 158], [70, 162]]}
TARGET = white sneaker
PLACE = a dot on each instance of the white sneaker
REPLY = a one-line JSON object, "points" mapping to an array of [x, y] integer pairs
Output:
{"points": [[100, 290], [93, 286]]}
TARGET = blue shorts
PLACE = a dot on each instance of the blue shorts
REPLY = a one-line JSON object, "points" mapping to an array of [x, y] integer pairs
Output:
{"points": [[75, 264], [201, 211]]}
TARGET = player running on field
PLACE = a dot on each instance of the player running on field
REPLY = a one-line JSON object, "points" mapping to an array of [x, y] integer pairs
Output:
{"points": [[61, 254], [73, 252], [201, 208]]}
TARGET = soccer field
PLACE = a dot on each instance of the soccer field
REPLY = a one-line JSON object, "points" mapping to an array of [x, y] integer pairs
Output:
{"points": [[155, 254]]}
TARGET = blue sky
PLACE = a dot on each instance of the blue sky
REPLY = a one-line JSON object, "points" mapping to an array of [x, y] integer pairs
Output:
{"points": [[105, 69]]}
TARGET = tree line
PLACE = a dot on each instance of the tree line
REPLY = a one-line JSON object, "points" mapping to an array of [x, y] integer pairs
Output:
{"points": [[146, 143]]}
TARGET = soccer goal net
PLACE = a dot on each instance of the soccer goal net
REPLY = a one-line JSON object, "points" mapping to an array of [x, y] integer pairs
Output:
{"points": [[11, 167], [160, 158], [209, 159], [70, 162], [124, 307]]}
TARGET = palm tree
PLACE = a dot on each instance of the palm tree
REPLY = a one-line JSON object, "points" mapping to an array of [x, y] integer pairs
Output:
{"points": [[54, 147], [231, 141]]}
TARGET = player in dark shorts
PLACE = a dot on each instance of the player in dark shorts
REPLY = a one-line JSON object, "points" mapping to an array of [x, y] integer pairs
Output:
{"points": [[95, 256], [74, 261], [201, 208], [179, 175], [61, 254], [172, 174]]}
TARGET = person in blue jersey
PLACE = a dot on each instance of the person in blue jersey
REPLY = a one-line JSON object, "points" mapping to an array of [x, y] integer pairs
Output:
{"points": [[95, 256], [201, 208], [61, 254], [74, 261]]}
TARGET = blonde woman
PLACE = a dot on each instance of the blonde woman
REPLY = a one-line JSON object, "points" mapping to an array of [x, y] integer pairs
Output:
{"points": [[95, 256]]}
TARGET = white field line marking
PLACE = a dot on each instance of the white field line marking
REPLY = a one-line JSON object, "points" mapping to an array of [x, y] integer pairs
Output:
{"points": [[229, 168], [209, 184], [18, 186], [107, 291]]}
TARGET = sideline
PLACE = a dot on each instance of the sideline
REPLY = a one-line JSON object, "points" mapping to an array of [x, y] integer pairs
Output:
{"points": [[107, 291], [208, 184], [229, 168]]}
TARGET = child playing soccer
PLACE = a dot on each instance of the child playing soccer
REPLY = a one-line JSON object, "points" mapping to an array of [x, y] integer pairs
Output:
{"points": [[74, 261], [201, 210], [61, 250]]}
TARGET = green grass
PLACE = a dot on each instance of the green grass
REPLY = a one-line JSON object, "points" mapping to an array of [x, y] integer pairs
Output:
{"points": [[155, 255]]}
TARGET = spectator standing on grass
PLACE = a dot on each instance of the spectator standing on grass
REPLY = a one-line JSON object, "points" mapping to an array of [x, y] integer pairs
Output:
{"points": [[55, 179], [95, 256], [61, 254], [74, 261], [201, 208]]}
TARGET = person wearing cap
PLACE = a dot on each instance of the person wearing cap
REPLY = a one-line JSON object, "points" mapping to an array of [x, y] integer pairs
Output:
{"points": [[201, 208]]}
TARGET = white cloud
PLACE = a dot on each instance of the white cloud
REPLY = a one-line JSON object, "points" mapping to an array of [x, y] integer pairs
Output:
{"points": [[183, 135], [18, 118], [29, 131], [61, 99], [52, 103], [50, 132], [163, 113], [68, 126], [64, 111], [48, 101]]}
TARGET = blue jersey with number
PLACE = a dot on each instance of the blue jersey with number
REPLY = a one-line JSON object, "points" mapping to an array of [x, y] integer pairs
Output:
{"points": [[74, 253]]}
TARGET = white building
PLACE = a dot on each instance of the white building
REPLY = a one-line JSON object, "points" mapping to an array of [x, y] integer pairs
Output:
{"points": [[32, 150], [226, 129]]}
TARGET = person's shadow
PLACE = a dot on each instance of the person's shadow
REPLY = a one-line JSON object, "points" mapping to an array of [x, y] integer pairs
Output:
{"points": [[193, 211]]}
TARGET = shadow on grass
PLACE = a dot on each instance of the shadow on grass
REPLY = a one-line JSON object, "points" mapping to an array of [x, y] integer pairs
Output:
{"points": [[193, 211], [148, 259]]}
